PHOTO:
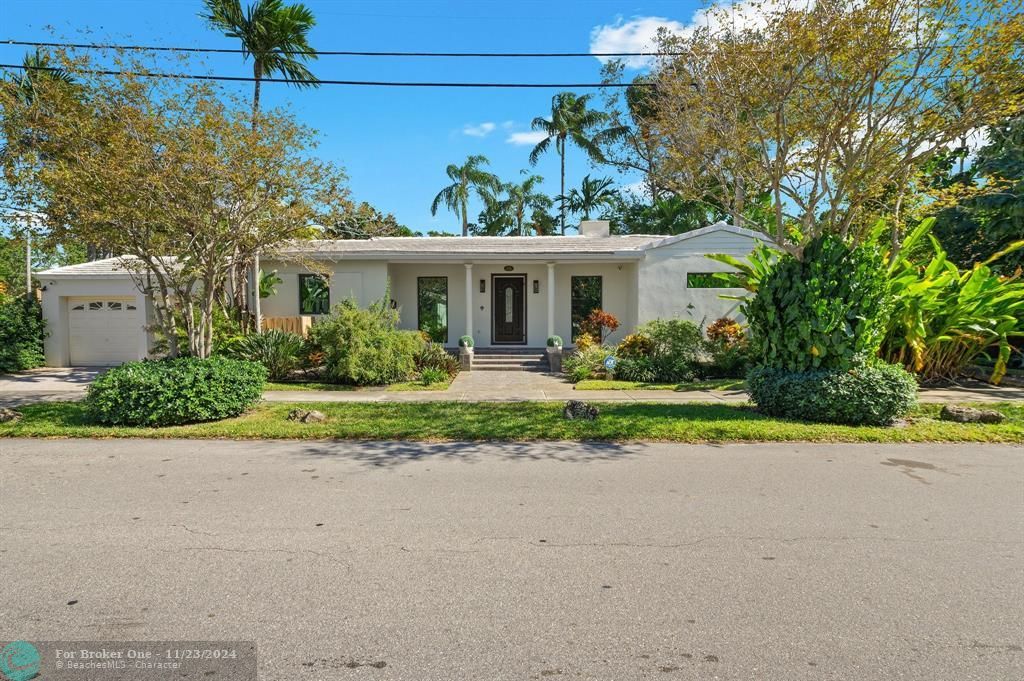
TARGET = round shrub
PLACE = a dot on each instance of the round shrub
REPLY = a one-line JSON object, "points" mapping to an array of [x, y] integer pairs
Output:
{"points": [[465, 341], [171, 392], [635, 345], [866, 394], [554, 341]]}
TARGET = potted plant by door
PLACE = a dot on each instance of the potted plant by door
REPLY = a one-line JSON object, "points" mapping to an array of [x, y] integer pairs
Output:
{"points": [[466, 353], [555, 354]]}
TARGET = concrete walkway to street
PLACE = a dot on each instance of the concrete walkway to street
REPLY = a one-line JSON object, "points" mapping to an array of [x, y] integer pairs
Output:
{"points": [[53, 385]]}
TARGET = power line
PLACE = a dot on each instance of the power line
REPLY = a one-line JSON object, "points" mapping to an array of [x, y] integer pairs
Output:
{"points": [[306, 81], [340, 53]]}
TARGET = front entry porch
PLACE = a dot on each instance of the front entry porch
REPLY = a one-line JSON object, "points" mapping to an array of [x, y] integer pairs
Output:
{"points": [[502, 304]]}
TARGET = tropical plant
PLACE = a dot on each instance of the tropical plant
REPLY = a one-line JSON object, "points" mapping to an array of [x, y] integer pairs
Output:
{"points": [[466, 179], [599, 325], [587, 362], [823, 311], [629, 214], [749, 272], [434, 357], [591, 195], [572, 121], [727, 349], [635, 345], [944, 317], [174, 391], [273, 34], [364, 346], [639, 369], [431, 376], [509, 211], [268, 283], [280, 352]]}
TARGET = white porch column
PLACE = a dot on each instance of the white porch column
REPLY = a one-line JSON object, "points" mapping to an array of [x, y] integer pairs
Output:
{"points": [[469, 299], [551, 299]]}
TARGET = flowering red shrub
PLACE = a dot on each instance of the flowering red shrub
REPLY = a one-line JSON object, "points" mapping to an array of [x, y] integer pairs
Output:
{"points": [[596, 323]]}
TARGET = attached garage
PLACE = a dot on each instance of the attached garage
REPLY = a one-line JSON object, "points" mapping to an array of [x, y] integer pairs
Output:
{"points": [[94, 314], [102, 331]]}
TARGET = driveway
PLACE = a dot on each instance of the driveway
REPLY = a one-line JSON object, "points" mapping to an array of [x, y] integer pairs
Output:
{"points": [[46, 385], [526, 561]]}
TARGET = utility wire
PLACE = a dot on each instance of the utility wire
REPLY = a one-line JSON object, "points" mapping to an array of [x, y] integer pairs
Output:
{"points": [[340, 53], [310, 81]]}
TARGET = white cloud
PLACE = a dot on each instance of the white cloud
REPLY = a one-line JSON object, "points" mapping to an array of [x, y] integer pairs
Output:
{"points": [[524, 138], [481, 130], [639, 34], [636, 35]]}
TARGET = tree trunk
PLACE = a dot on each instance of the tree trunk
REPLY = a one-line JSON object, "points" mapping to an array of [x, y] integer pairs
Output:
{"points": [[561, 154], [28, 263], [257, 72], [465, 219]]}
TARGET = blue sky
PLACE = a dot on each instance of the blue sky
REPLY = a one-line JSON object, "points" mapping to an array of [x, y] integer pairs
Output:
{"points": [[394, 143]]}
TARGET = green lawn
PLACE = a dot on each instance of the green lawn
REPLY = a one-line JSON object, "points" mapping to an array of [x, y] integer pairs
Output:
{"points": [[524, 421], [409, 386], [710, 384]]}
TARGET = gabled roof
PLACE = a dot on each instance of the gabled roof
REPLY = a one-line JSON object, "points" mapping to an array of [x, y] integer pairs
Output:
{"points": [[616, 247]]}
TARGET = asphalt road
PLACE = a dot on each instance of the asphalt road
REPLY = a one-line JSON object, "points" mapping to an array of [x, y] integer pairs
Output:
{"points": [[465, 561]]}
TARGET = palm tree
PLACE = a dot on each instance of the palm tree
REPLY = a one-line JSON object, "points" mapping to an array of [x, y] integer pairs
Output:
{"points": [[572, 121], [591, 195], [466, 179], [507, 214], [273, 34]]}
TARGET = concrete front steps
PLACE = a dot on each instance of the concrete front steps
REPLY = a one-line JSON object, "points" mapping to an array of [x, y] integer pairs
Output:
{"points": [[500, 359]]}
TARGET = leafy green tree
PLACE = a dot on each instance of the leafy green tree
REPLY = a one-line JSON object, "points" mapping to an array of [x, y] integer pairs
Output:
{"points": [[572, 121], [592, 194], [350, 220], [467, 179], [859, 95], [273, 34], [979, 205], [668, 215]]}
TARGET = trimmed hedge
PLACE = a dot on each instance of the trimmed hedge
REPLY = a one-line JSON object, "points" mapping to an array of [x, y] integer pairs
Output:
{"points": [[869, 394], [172, 392]]}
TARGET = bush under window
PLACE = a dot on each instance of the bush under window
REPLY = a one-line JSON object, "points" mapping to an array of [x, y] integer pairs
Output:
{"points": [[364, 346], [874, 394], [171, 392], [676, 346]]}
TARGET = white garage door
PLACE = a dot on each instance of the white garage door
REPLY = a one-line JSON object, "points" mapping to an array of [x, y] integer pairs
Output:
{"points": [[103, 331]]}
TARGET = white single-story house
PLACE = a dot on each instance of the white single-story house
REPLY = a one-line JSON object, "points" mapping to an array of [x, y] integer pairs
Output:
{"points": [[505, 292]]}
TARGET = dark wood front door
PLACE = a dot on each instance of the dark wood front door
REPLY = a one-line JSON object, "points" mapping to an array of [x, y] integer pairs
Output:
{"points": [[509, 305]]}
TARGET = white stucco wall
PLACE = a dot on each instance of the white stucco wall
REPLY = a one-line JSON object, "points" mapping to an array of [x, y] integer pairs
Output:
{"points": [[55, 311], [618, 285], [363, 280], [661, 279]]}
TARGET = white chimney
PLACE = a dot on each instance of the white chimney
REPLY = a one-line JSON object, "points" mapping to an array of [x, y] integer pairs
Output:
{"points": [[595, 228]]}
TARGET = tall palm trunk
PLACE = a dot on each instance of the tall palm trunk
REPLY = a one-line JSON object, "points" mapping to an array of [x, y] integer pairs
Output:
{"points": [[561, 154], [257, 72]]}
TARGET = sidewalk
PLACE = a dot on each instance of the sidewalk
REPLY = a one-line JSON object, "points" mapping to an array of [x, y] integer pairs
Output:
{"points": [[527, 386]]}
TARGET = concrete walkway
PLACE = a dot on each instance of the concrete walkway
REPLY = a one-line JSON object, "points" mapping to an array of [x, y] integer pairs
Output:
{"points": [[522, 386]]}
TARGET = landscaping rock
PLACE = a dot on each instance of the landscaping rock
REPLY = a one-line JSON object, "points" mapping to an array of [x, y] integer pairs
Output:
{"points": [[970, 415], [576, 409], [8, 415], [307, 416]]}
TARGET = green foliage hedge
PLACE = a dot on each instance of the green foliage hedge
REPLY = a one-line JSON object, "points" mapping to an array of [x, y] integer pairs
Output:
{"points": [[866, 394], [822, 311], [172, 392], [364, 346], [676, 346], [21, 334]]}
